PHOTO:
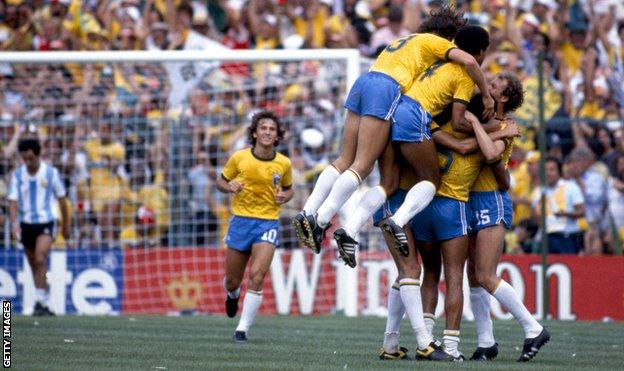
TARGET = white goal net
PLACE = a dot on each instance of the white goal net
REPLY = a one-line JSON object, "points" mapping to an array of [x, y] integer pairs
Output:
{"points": [[138, 138]]}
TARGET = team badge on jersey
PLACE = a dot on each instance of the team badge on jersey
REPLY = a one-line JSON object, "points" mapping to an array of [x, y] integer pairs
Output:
{"points": [[277, 178], [44, 183]]}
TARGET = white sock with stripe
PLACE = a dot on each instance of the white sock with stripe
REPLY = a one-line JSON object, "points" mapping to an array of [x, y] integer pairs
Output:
{"points": [[40, 296], [418, 197], [429, 323], [346, 184], [323, 185], [480, 303], [451, 342], [370, 202], [507, 296], [251, 304], [396, 310], [410, 294]]}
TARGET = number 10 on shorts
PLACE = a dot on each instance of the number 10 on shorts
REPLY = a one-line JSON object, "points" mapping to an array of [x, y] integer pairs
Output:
{"points": [[269, 236]]}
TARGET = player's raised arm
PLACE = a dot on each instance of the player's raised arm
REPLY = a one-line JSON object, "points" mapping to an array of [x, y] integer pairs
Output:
{"points": [[472, 67], [491, 150]]}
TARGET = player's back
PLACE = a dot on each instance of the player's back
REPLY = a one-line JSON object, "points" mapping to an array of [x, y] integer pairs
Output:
{"points": [[440, 84], [409, 56], [457, 172]]}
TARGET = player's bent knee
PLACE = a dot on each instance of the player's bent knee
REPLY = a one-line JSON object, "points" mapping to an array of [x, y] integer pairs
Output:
{"points": [[256, 280], [487, 281]]}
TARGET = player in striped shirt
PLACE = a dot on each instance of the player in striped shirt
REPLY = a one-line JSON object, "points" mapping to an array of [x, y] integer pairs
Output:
{"points": [[34, 187]]}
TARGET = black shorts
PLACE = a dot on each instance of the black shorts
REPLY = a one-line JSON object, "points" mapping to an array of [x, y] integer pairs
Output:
{"points": [[30, 233]]}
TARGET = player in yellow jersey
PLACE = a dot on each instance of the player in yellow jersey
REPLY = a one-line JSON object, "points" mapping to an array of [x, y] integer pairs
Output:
{"points": [[446, 220], [260, 180], [370, 106], [404, 296], [493, 213], [441, 84]]}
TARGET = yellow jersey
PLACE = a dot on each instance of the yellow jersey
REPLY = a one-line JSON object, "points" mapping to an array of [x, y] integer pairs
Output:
{"points": [[408, 57], [486, 181], [457, 172], [441, 84], [261, 180]]}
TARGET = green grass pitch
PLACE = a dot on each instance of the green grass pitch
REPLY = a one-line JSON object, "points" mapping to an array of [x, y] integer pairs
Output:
{"points": [[287, 343]]}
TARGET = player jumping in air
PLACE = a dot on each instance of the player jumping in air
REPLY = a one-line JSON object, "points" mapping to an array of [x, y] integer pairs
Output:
{"points": [[260, 180], [370, 106], [441, 84]]}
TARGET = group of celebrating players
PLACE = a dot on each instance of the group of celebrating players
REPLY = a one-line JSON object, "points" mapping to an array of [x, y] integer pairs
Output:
{"points": [[442, 155]]}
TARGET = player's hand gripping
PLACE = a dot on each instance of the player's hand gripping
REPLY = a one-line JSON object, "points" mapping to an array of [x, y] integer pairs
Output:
{"points": [[235, 186], [488, 104], [511, 129]]}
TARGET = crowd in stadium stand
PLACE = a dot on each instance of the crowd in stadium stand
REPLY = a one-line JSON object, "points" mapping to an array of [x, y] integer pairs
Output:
{"points": [[110, 128]]}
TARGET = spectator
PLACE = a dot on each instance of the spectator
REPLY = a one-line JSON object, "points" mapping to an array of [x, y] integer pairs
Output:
{"points": [[591, 176], [615, 199], [394, 30], [104, 157], [202, 202], [564, 206]]}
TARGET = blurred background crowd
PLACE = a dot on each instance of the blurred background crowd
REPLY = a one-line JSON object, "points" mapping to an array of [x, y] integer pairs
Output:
{"points": [[139, 144]]}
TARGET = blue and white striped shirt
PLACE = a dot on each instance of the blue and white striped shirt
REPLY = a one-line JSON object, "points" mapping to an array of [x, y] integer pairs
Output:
{"points": [[36, 194]]}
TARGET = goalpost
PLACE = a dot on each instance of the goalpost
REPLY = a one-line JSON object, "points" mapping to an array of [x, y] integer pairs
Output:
{"points": [[138, 137]]}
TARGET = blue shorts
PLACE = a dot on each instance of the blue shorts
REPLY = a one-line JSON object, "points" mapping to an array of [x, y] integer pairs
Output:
{"points": [[389, 207], [410, 122], [244, 232], [491, 208], [443, 219], [374, 94]]}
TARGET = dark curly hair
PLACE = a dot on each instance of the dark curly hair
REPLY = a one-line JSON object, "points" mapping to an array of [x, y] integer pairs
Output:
{"points": [[444, 22], [514, 92], [472, 39], [255, 120]]}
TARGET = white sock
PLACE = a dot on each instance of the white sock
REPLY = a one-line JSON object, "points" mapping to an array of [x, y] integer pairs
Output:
{"points": [[321, 189], [232, 294], [418, 197], [346, 184], [429, 323], [40, 296], [451, 342], [251, 304], [480, 303], [396, 310], [506, 295], [410, 294], [370, 202]]}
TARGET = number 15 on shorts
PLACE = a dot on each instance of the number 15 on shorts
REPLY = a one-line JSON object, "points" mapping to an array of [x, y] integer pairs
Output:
{"points": [[483, 216]]}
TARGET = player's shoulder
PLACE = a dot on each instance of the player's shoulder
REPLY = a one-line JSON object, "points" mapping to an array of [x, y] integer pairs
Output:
{"points": [[282, 159], [243, 153]]}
